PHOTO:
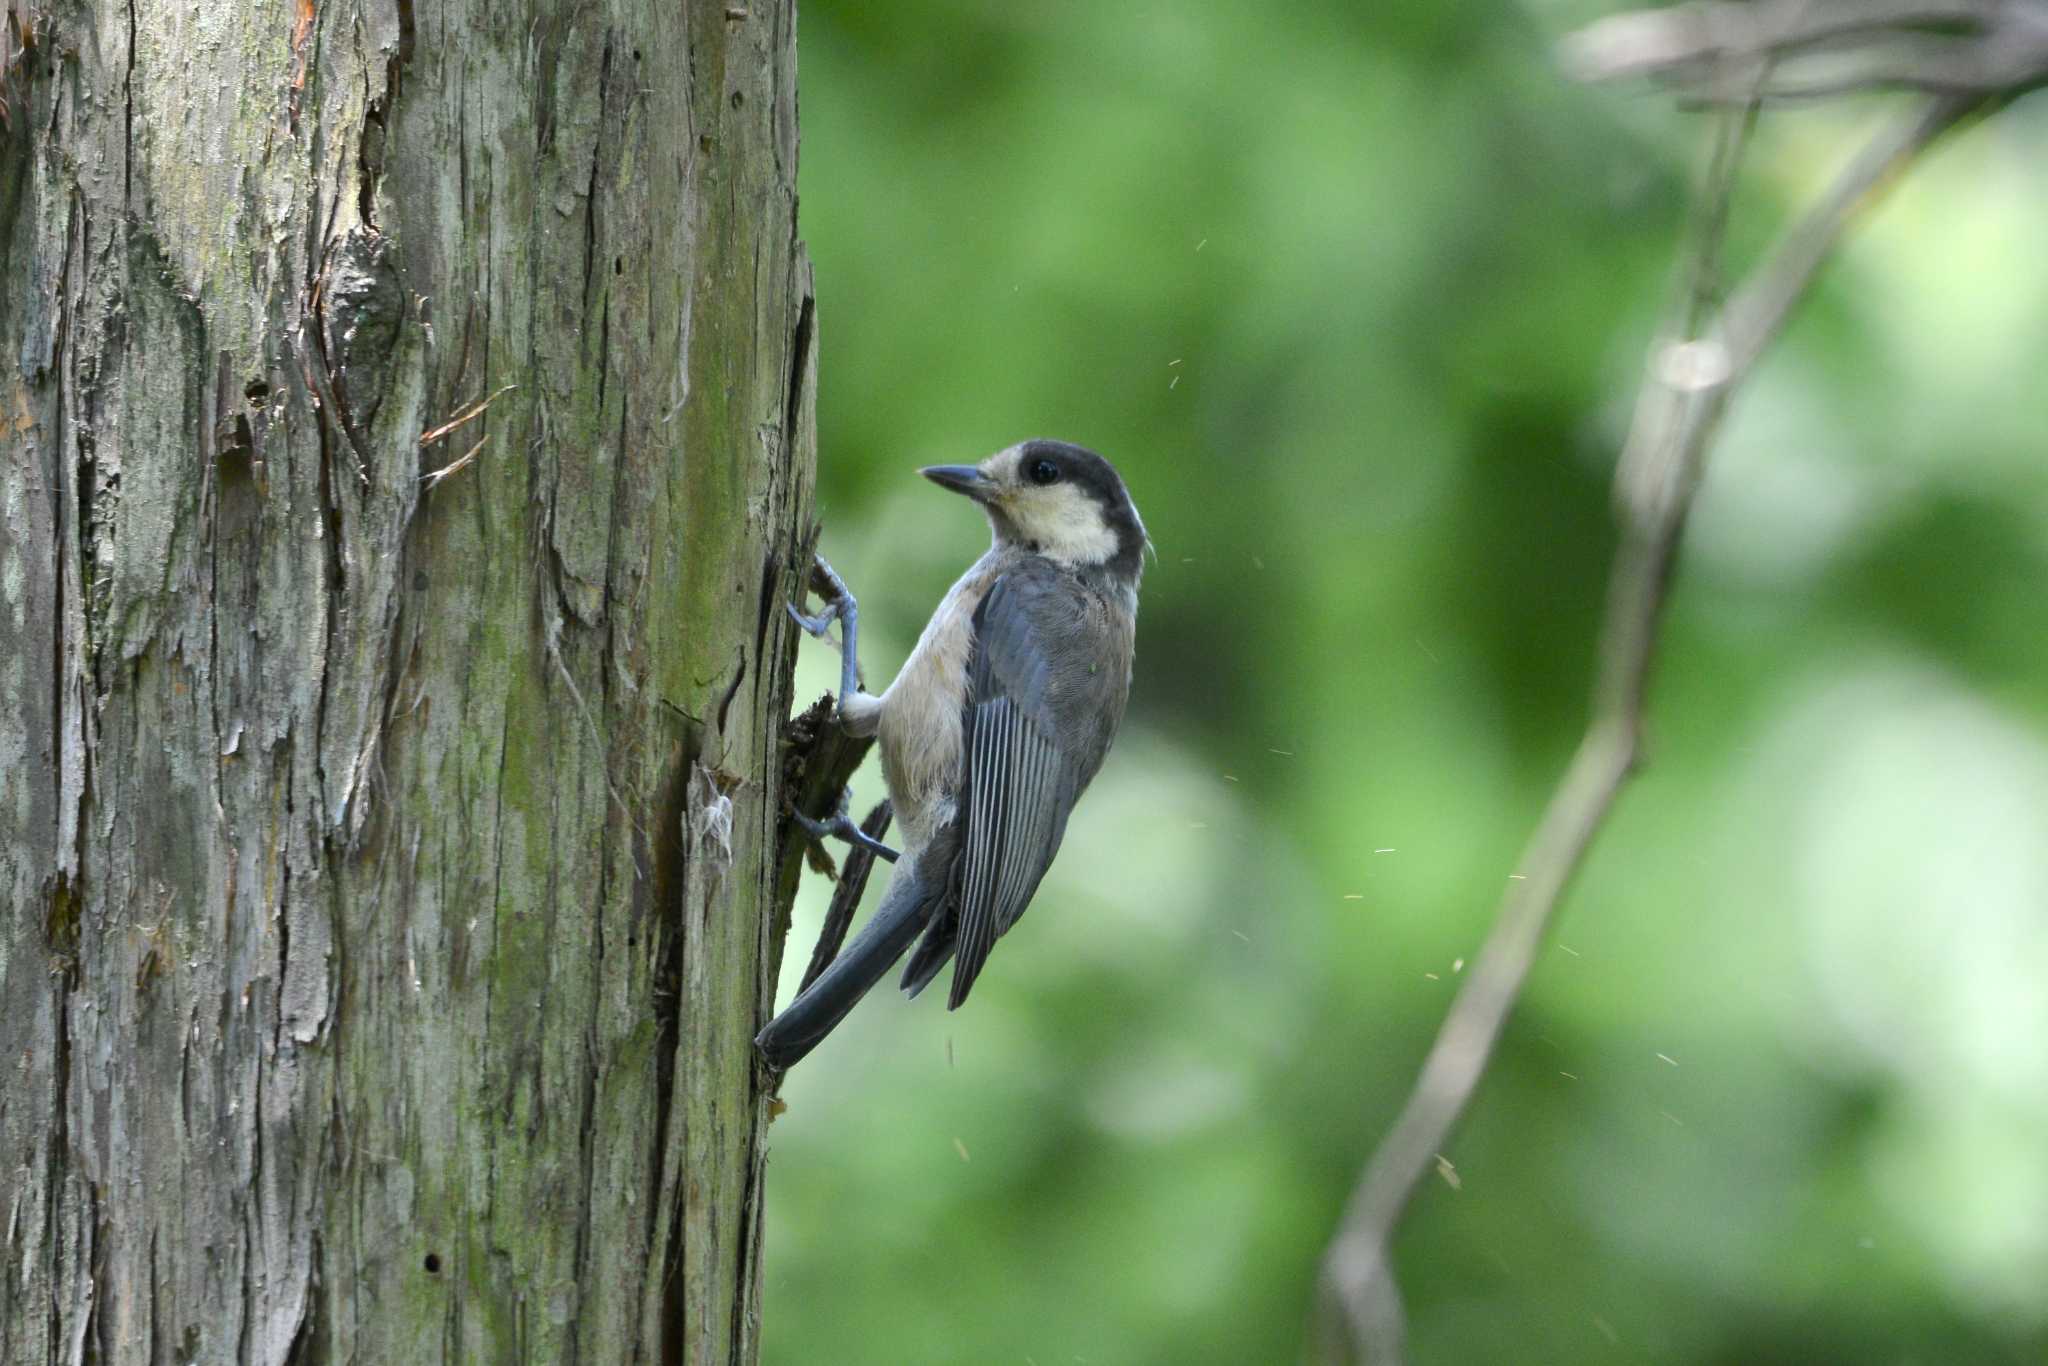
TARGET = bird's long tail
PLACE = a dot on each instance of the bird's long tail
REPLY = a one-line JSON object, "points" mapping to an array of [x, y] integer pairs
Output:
{"points": [[814, 1013]]}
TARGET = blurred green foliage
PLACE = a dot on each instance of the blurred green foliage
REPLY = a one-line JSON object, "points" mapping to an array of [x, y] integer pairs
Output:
{"points": [[1356, 295]]}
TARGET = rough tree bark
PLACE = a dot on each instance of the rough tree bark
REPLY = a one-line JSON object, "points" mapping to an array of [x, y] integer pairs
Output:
{"points": [[385, 860]]}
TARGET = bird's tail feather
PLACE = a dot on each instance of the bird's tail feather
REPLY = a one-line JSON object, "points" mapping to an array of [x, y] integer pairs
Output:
{"points": [[814, 1013], [933, 954]]}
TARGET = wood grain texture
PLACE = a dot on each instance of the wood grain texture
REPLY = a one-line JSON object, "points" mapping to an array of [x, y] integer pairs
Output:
{"points": [[386, 868]]}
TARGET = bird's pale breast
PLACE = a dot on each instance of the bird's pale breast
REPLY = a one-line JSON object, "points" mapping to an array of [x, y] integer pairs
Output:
{"points": [[920, 716]]}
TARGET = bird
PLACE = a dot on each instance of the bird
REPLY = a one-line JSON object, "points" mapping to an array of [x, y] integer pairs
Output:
{"points": [[992, 729]]}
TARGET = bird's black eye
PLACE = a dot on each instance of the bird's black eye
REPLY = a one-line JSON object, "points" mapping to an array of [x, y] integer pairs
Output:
{"points": [[1044, 472]]}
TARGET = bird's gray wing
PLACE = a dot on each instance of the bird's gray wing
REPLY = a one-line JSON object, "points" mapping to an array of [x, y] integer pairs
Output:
{"points": [[1045, 689]]}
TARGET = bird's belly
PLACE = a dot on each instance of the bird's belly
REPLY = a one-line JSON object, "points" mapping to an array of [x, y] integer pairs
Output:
{"points": [[920, 724], [920, 743]]}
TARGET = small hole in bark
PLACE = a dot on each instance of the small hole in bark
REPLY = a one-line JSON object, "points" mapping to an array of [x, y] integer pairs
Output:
{"points": [[433, 1264], [738, 99], [636, 54], [618, 265]]}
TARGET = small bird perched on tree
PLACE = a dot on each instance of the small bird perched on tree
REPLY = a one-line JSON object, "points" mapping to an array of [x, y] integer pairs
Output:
{"points": [[998, 720]]}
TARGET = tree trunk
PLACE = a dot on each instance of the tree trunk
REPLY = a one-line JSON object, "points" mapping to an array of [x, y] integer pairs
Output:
{"points": [[386, 885]]}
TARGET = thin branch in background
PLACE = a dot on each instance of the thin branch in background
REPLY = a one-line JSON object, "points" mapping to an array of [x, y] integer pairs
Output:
{"points": [[1815, 49], [1693, 369], [1361, 1316]]}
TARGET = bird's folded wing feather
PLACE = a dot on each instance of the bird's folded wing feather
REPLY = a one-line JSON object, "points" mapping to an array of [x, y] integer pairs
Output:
{"points": [[1022, 772]]}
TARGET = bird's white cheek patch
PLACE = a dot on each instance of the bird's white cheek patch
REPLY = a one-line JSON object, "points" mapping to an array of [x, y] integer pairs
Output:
{"points": [[1065, 522]]}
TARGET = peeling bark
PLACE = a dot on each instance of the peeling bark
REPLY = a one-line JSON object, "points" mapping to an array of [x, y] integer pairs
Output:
{"points": [[387, 865]]}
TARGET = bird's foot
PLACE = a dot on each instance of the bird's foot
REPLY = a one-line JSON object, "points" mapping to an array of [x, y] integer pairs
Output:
{"points": [[814, 626], [842, 826], [840, 607]]}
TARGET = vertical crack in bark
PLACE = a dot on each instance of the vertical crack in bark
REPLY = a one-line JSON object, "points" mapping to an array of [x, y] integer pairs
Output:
{"points": [[284, 966], [329, 385], [66, 891], [92, 1257], [610, 604], [334, 590], [378, 118], [306, 1334], [209, 532], [593, 1074], [799, 368], [128, 118], [156, 1328], [764, 608], [249, 1218], [65, 863], [497, 903], [732, 689], [74, 394], [366, 830], [604, 360], [750, 1213], [604, 91], [671, 863], [60, 1151]]}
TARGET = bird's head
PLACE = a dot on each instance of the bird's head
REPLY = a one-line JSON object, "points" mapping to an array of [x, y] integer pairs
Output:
{"points": [[1061, 501]]}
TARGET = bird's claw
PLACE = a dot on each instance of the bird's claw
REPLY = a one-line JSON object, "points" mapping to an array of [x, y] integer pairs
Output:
{"points": [[840, 825], [818, 829], [814, 626]]}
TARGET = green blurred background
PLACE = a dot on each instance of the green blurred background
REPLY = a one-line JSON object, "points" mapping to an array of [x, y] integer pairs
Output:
{"points": [[1355, 294]]}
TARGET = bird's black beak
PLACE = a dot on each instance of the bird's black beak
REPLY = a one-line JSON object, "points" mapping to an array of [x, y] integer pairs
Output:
{"points": [[961, 479]]}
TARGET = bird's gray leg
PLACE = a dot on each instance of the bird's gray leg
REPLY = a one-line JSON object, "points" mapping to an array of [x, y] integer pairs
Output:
{"points": [[839, 604], [842, 825]]}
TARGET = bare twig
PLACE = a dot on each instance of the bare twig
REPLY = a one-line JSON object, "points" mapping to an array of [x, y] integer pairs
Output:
{"points": [[463, 415], [1781, 50], [433, 480], [818, 764], [1692, 371]]}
